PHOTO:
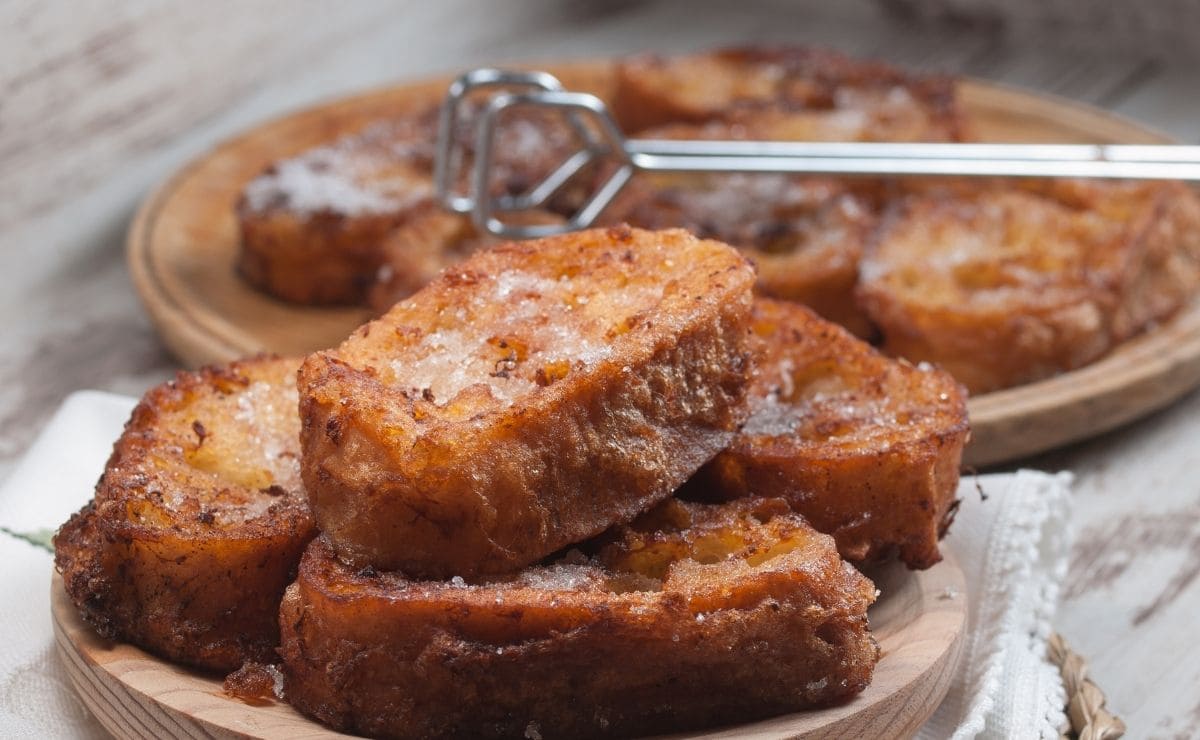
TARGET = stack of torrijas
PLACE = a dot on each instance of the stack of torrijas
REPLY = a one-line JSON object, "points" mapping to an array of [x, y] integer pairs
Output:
{"points": [[589, 485], [491, 465]]}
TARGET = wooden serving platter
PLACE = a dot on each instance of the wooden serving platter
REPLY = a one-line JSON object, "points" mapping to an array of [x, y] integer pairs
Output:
{"points": [[183, 242], [918, 621]]}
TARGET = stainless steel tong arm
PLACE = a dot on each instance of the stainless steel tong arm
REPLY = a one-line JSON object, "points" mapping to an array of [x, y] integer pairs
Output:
{"points": [[997, 160], [602, 139]]}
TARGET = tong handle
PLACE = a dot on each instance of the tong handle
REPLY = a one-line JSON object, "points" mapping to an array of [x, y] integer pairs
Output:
{"points": [[972, 160]]}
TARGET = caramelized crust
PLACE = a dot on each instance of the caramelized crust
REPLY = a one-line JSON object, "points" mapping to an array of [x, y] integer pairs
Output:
{"points": [[866, 448], [818, 91], [198, 521], [316, 228], [527, 399], [693, 616], [1007, 283]]}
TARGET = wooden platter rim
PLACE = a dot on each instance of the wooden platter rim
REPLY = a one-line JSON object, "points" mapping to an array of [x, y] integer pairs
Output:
{"points": [[112, 678], [1134, 379]]}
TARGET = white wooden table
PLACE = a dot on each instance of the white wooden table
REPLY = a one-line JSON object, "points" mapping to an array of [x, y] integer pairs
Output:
{"points": [[98, 104]]}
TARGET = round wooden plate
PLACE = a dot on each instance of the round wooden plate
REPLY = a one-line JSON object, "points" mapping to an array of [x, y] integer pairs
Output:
{"points": [[184, 239], [918, 621]]}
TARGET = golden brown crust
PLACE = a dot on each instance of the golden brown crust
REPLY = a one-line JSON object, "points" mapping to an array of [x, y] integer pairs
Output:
{"points": [[527, 399], [819, 91], [338, 224], [694, 616], [866, 448], [198, 521], [1006, 283], [317, 228], [430, 242], [311, 225], [804, 234]]}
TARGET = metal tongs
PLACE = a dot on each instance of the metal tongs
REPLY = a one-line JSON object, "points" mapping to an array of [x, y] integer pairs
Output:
{"points": [[602, 139]]}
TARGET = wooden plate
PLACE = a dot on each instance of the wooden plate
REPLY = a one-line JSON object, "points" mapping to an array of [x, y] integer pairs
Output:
{"points": [[183, 242], [918, 620]]}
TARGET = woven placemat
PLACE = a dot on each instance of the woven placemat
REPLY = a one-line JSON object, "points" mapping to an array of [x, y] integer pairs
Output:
{"points": [[1086, 713]]}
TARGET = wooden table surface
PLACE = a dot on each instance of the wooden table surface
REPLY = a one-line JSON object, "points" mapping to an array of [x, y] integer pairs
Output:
{"points": [[98, 104]]}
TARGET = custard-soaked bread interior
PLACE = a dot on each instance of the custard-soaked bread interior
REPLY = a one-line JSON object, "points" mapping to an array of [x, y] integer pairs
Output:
{"points": [[695, 615], [1010, 282], [821, 89], [198, 521], [529, 398], [865, 447], [315, 227]]}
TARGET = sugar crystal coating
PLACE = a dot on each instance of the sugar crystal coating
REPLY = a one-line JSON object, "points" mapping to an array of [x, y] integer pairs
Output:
{"points": [[529, 398]]}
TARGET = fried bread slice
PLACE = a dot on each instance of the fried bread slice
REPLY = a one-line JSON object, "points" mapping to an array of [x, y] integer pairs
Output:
{"points": [[804, 234], [865, 447], [816, 89], [311, 224], [315, 227], [198, 521], [529, 398], [432, 241], [694, 615], [1012, 282]]}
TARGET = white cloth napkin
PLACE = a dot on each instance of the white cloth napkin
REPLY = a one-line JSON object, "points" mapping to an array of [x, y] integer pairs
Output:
{"points": [[1012, 548], [53, 480]]}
